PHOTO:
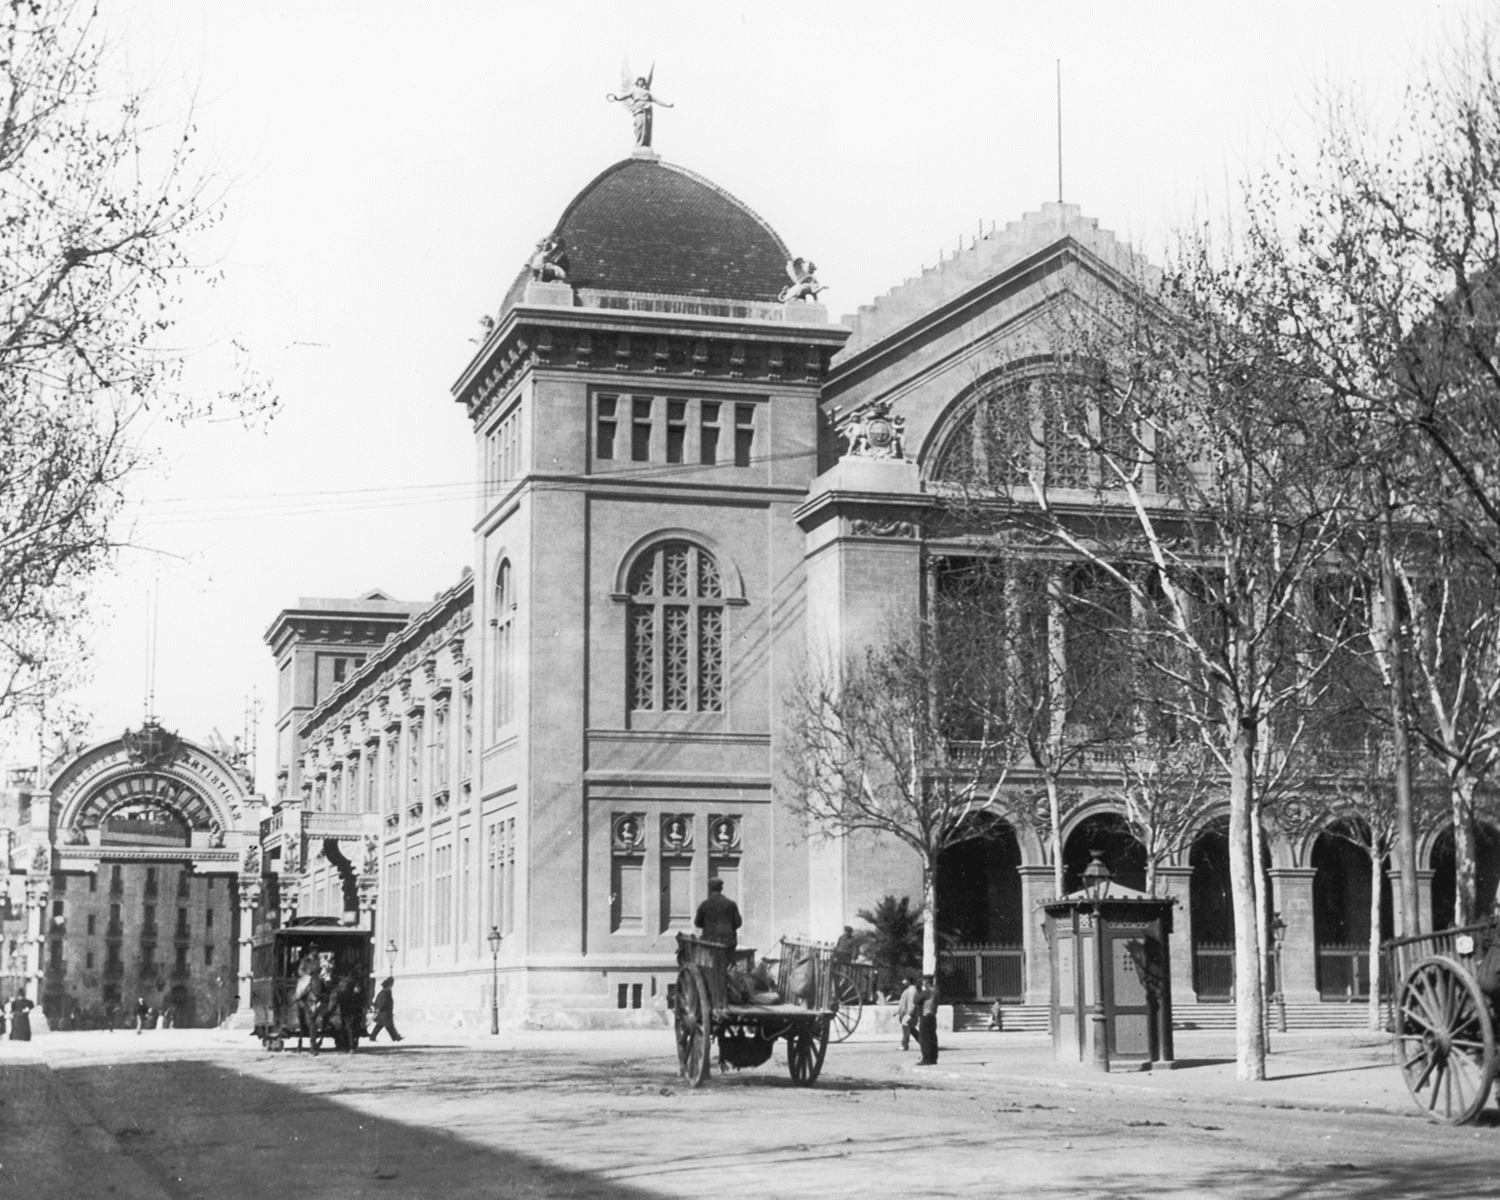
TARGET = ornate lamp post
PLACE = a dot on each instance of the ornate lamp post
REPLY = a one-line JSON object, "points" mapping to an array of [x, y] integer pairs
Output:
{"points": [[390, 957], [1096, 878], [494, 940], [1278, 935]]}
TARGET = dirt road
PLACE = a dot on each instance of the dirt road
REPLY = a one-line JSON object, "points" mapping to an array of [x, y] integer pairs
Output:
{"points": [[604, 1116]]}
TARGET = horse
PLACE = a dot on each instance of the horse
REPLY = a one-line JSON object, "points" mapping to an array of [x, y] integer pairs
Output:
{"points": [[311, 1007]]}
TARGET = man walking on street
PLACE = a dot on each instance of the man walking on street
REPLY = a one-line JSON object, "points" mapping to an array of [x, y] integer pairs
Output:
{"points": [[927, 1025], [906, 1011], [384, 1006], [141, 1011]]}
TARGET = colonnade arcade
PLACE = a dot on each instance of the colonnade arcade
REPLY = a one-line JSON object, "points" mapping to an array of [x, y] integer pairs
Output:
{"points": [[1320, 884]]}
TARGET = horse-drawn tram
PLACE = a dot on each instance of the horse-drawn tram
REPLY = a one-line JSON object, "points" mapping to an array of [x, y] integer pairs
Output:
{"points": [[724, 997], [1447, 1005], [311, 978]]}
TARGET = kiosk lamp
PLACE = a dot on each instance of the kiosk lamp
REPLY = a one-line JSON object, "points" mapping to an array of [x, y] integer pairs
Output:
{"points": [[1096, 887], [494, 938]]}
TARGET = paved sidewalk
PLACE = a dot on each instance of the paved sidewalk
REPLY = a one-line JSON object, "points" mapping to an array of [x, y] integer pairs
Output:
{"points": [[1339, 1070]]}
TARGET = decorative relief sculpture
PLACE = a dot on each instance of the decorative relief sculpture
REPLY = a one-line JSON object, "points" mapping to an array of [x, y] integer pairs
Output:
{"points": [[371, 865], [628, 833], [864, 527], [676, 833], [549, 261], [873, 432], [724, 835], [251, 863], [151, 745], [41, 861], [804, 285], [638, 99]]}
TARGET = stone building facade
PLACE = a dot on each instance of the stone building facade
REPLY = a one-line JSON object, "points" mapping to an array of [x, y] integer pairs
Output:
{"points": [[691, 488], [132, 875]]}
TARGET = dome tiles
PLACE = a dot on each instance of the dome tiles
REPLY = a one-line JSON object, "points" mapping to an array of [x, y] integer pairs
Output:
{"points": [[647, 226]]}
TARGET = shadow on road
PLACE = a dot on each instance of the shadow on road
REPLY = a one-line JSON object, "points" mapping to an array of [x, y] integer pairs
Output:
{"points": [[198, 1129]]}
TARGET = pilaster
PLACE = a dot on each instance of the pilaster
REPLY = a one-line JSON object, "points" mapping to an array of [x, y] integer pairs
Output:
{"points": [[1176, 882], [1292, 897], [1037, 888]]}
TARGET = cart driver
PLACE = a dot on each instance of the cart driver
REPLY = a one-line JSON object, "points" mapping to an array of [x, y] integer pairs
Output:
{"points": [[719, 916]]}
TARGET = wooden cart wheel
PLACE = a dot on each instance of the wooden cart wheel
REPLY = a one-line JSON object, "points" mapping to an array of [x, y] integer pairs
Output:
{"points": [[694, 1025], [1446, 1040], [805, 1049], [849, 1007]]}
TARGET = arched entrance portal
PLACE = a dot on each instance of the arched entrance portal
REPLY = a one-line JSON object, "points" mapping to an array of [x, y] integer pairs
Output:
{"points": [[138, 895], [1122, 852], [1487, 875], [1342, 890], [1211, 902], [980, 919]]}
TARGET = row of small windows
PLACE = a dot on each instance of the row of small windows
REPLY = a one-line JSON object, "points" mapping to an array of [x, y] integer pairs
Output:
{"points": [[664, 429], [117, 884]]}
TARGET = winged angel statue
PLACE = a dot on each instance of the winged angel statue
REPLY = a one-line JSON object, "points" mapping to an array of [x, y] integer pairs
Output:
{"points": [[804, 286], [638, 99]]}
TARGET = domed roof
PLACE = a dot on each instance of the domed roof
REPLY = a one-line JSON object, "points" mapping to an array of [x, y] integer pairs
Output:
{"points": [[647, 226]]}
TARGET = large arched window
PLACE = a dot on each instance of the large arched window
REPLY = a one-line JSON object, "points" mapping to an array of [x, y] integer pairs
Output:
{"points": [[676, 631], [504, 621]]}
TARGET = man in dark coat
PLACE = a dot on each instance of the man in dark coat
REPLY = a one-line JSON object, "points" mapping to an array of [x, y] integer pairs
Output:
{"points": [[384, 1005], [719, 916], [927, 1001]]}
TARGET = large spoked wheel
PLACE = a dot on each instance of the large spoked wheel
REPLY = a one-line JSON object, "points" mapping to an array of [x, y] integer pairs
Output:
{"points": [[805, 1048], [1446, 1041], [850, 1006], [694, 1023]]}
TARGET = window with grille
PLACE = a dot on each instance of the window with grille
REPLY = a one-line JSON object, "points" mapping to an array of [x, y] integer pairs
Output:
{"points": [[676, 631]]}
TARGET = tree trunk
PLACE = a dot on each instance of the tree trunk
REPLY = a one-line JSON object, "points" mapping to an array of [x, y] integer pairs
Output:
{"points": [[1375, 879], [929, 916], [1250, 1039], [1054, 814], [1262, 928], [1465, 883], [1389, 631]]}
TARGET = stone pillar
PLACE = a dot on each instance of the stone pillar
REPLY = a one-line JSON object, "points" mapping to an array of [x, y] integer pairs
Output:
{"points": [[249, 898], [1036, 890], [1292, 897], [1176, 882], [37, 894], [1424, 900]]}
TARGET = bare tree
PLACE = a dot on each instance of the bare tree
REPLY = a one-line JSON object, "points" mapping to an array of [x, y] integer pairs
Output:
{"points": [[1167, 787], [95, 225], [902, 741], [1179, 457]]}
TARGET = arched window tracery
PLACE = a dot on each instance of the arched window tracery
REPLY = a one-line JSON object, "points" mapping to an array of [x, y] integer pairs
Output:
{"points": [[675, 630]]}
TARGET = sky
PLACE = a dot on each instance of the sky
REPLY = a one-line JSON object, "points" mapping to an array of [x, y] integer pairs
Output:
{"points": [[384, 169]]}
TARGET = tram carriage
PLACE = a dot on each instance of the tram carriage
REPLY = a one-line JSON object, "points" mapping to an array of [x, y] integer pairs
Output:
{"points": [[1446, 1010], [711, 1008], [341, 953]]}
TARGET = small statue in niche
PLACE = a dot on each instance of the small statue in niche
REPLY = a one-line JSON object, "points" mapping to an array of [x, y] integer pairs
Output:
{"points": [[804, 286], [638, 99], [549, 261]]}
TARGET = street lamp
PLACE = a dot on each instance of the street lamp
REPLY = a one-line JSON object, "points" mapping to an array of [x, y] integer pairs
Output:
{"points": [[390, 957], [494, 940], [1278, 935], [1096, 887]]}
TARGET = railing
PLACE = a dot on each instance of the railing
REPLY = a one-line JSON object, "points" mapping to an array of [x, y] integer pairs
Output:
{"points": [[983, 972], [331, 824], [1213, 971], [743, 310], [1344, 973]]}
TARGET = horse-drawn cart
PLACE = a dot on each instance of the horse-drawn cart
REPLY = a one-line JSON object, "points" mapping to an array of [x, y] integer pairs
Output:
{"points": [[1445, 1015], [716, 1003], [310, 979]]}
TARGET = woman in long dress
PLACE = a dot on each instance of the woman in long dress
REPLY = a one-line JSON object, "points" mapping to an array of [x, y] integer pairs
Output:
{"points": [[20, 1022]]}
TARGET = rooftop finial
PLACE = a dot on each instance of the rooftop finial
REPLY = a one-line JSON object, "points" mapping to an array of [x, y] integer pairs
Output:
{"points": [[635, 94]]}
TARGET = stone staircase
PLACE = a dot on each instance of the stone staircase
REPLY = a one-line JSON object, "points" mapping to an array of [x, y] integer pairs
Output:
{"points": [[1034, 1018]]}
